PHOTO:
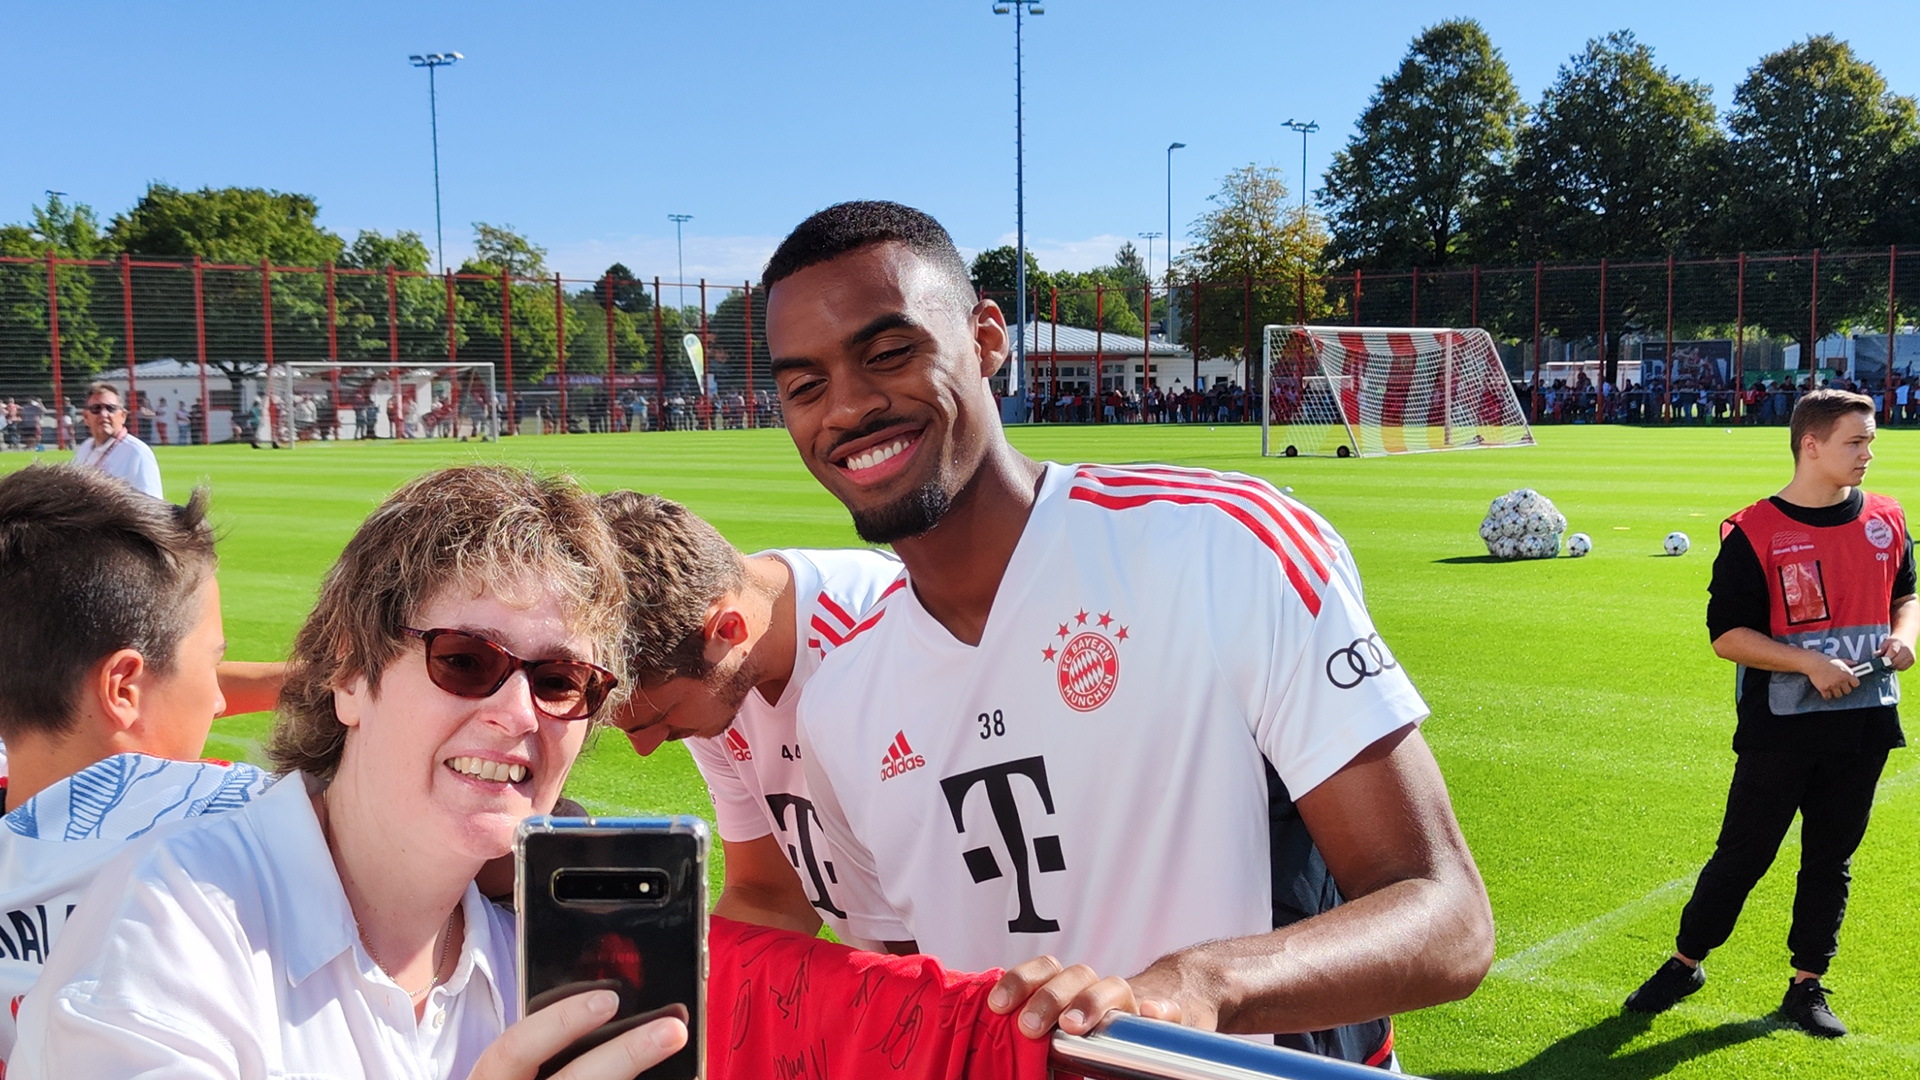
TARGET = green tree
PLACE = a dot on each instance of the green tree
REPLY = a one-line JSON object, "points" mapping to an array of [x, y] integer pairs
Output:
{"points": [[1815, 132], [87, 341], [419, 300], [1253, 238], [1815, 136], [1618, 161], [995, 276], [238, 228], [503, 249], [1400, 192]]}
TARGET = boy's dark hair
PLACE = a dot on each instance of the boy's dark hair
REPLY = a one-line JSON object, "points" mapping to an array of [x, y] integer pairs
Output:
{"points": [[677, 565], [88, 566], [1817, 413], [850, 226]]}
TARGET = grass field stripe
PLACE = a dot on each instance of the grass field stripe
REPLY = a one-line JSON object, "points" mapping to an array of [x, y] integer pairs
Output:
{"points": [[1309, 595], [1571, 940], [1311, 546], [1694, 1009], [1282, 509]]}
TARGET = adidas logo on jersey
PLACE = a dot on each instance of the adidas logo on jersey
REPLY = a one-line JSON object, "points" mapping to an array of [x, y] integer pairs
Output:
{"points": [[899, 758], [737, 746]]}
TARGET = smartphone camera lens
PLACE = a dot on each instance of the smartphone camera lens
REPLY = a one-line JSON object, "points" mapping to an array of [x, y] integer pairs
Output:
{"points": [[643, 886]]}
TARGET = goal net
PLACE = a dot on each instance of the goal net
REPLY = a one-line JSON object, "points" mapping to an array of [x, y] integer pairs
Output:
{"points": [[1369, 392], [316, 401]]}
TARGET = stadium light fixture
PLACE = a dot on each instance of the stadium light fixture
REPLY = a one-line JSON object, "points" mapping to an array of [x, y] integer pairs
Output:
{"points": [[1016, 379], [1305, 129], [1171, 147], [433, 61], [680, 254]]}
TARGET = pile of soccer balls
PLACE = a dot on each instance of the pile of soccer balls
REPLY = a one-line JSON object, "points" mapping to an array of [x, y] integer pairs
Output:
{"points": [[1523, 524]]}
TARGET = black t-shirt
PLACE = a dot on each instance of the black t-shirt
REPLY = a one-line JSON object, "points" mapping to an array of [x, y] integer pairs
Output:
{"points": [[1738, 597]]}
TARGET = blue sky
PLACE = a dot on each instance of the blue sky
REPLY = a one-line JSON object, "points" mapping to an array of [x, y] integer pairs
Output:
{"points": [[585, 124]]}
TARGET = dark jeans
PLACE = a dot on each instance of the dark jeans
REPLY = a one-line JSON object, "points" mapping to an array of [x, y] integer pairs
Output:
{"points": [[1834, 795]]}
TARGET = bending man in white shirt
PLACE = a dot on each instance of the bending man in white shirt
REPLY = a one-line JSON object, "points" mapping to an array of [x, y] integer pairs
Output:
{"points": [[722, 645], [437, 694], [111, 448], [1054, 740]]}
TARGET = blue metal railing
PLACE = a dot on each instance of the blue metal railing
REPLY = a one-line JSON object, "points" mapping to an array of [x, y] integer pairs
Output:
{"points": [[1130, 1048]]}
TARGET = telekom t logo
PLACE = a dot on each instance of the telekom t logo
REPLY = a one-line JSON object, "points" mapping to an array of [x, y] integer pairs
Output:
{"points": [[981, 863], [803, 857]]}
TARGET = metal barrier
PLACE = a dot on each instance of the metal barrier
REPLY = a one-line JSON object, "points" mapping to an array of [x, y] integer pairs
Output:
{"points": [[1130, 1048]]}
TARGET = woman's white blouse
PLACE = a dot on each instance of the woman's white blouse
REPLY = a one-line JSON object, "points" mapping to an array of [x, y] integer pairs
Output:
{"points": [[226, 948]]}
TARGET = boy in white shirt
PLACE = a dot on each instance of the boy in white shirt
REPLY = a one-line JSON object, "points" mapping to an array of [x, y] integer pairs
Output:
{"points": [[110, 641]]}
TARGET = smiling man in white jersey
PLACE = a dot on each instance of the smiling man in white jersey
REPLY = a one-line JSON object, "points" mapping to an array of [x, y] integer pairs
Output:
{"points": [[722, 644], [1066, 736]]}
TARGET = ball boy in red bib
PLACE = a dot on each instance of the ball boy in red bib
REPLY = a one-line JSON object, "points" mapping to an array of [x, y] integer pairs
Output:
{"points": [[1813, 600]]}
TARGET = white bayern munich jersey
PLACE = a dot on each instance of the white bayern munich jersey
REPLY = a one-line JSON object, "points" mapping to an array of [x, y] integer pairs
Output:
{"points": [[1088, 781], [52, 846], [753, 770]]}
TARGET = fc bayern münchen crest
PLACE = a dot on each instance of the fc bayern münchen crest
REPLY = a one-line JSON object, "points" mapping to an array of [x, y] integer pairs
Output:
{"points": [[1879, 533], [1086, 659]]}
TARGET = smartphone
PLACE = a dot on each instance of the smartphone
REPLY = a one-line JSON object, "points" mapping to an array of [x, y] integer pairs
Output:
{"points": [[618, 904]]}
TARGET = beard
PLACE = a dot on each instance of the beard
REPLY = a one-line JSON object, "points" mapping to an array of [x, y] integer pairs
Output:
{"points": [[912, 515]]}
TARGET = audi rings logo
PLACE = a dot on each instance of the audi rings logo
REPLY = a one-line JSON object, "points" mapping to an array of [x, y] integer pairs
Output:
{"points": [[1362, 660]]}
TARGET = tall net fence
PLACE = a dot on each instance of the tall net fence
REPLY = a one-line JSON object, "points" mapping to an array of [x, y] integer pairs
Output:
{"points": [[1713, 340]]}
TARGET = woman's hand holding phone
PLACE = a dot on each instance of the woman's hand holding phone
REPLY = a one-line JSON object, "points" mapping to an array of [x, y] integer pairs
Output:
{"points": [[522, 1049]]}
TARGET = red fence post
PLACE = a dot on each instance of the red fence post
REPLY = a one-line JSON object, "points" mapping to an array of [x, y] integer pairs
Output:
{"points": [[1053, 349], [560, 346], [746, 295], [1813, 316], [1099, 344], [1146, 333], [1539, 269], [398, 409], [1246, 318], [1356, 298], [59, 406], [1739, 316], [200, 346], [506, 346], [1666, 383], [126, 294], [1300, 298], [1893, 262], [266, 322], [333, 355], [659, 359], [1599, 395], [613, 410], [1415, 321], [1196, 337], [1475, 317]]}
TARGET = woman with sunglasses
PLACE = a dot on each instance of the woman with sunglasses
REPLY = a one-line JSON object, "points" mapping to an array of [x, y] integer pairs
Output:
{"points": [[437, 695]]}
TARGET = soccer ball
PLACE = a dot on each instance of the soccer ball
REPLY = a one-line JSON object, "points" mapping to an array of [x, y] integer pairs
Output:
{"points": [[1522, 524], [1579, 544], [1676, 543]]}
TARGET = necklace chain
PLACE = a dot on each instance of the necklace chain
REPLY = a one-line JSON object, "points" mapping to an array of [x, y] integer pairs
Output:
{"points": [[446, 933]]}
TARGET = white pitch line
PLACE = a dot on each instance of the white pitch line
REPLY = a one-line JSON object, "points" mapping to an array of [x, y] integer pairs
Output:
{"points": [[1569, 941]]}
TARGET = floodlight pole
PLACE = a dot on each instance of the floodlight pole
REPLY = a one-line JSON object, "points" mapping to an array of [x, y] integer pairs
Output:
{"points": [[680, 256], [432, 61], [1171, 147], [1305, 129], [1016, 379]]}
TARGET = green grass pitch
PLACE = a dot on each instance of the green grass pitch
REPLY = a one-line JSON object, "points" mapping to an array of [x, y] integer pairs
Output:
{"points": [[1582, 721]]}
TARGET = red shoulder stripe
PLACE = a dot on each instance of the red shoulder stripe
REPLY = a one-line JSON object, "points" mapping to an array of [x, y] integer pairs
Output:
{"points": [[828, 631], [834, 609], [1299, 528], [1309, 595], [898, 583], [869, 624]]}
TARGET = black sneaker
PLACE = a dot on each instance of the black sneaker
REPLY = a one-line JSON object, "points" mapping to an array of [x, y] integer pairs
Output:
{"points": [[1805, 1007], [1664, 989]]}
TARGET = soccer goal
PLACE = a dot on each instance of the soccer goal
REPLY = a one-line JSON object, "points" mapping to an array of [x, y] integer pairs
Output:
{"points": [[1368, 392], [313, 401]]}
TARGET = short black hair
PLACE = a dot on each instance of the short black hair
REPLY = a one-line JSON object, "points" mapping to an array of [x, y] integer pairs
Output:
{"points": [[89, 566], [850, 226]]}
